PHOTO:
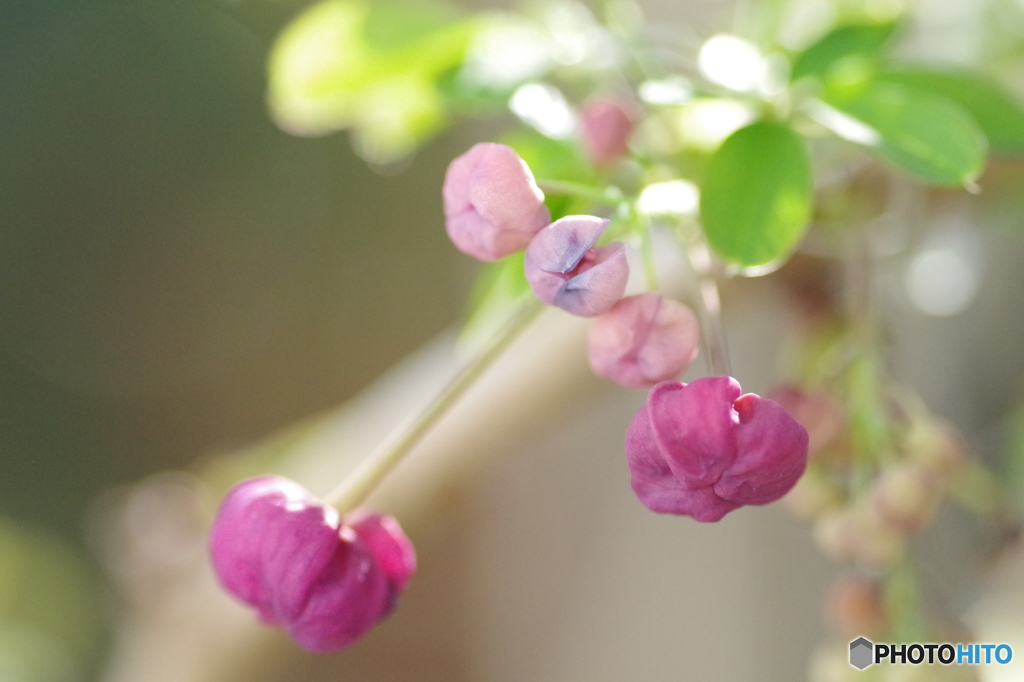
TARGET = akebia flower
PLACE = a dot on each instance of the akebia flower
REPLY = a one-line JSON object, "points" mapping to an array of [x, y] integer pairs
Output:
{"points": [[325, 580], [642, 340], [492, 204], [701, 449], [565, 270]]}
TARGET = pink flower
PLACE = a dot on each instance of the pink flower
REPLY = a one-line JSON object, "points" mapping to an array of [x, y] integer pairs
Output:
{"points": [[492, 204], [606, 126], [643, 340], [702, 449], [326, 582], [564, 269]]}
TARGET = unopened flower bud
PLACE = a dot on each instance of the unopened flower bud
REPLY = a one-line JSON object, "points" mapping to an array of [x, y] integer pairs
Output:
{"points": [[565, 270], [701, 449], [937, 447], [812, 496], [606, 126], [907, 497], [854, 607], [643, 340], [817, 411], [856, 534], [492, 204], [326, 582]]}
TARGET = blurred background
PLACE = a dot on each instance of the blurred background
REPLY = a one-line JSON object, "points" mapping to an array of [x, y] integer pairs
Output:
{"points": [[180, 279]]}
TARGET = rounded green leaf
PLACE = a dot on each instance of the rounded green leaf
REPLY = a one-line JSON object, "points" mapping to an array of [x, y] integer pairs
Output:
{"points": [[922, 133], [1000, 116], [757, 194]]}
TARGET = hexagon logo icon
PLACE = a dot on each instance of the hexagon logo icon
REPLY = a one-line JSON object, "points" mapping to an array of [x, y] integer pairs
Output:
{"points": [[860, 653]]}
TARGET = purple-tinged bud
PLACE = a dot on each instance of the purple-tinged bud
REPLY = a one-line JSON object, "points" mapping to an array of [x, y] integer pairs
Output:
{"points": [[643, 340], [606, 125], [280, 550], [492, 204], [565, 270], [702, 449]]}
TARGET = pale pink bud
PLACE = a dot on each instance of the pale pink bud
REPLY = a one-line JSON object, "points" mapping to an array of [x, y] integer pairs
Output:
{"points": [[812, 496], [702, 449], [278, 549], [492, 204], [937, 447], [643, 340], [907, 497], [606, 126], [565, 270], [857, 534]]}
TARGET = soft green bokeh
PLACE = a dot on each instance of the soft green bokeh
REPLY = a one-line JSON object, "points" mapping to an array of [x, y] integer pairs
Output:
{"points": [[924, 134]]}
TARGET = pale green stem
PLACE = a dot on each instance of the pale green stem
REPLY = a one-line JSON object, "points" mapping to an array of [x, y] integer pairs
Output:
{"points": [[362, 481], [647, 249], [611, 196], [709, 312]]}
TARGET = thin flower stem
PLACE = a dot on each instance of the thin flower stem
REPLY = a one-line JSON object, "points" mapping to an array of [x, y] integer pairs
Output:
{"points": [[370, 472], [610, 196], [709, 310], [647, 248]]}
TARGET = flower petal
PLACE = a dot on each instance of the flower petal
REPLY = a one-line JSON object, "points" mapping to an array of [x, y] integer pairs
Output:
{"points": [[598, 287], [658, 488], [772, 450], [695, 427]]}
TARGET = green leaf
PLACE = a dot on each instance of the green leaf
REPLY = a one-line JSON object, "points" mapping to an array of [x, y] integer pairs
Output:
{"points": [[853, 40], [924, 134], [757, 194], [1000, 117], [397, 23]]}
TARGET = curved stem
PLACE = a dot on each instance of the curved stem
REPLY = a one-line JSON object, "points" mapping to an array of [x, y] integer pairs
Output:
{"points": [[355, 487]]}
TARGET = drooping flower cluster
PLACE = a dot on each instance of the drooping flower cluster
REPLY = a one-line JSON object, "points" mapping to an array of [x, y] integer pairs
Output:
{"points": [[702, 449], [491, 199], [326, 580], [870, 526]]}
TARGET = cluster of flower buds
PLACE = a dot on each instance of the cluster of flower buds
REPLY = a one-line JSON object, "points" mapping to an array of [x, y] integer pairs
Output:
{"points": [[870, 526], [493, 208], [701, 449], [326, 580]]}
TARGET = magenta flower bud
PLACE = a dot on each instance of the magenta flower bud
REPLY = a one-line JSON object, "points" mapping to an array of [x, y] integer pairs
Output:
{"points": [[701, 449], [278, 549], [606, 127], [643, 340], [492, 204], [565, 270]]}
